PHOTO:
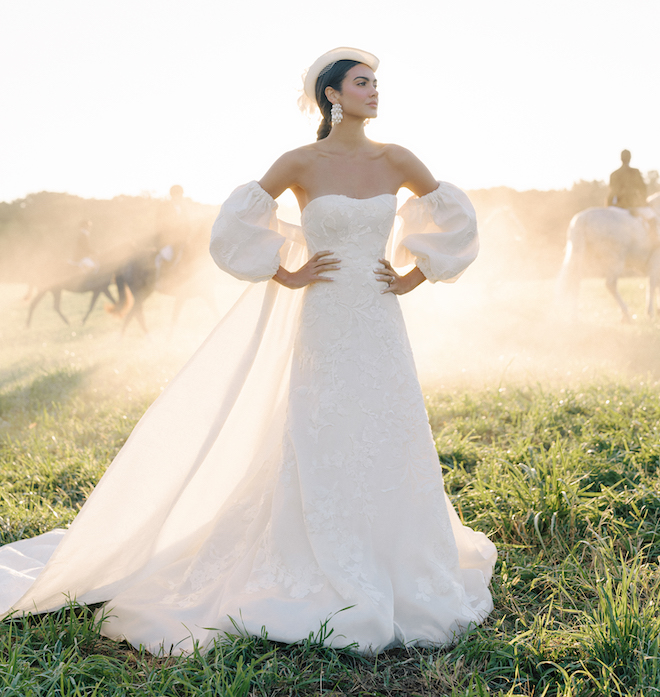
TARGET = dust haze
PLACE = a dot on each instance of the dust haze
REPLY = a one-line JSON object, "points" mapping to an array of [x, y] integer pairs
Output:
{"points": [[503, 322], [499, 324]]}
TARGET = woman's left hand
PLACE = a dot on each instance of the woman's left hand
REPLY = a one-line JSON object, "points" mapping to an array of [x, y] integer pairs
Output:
{"points": [[398, 284]]}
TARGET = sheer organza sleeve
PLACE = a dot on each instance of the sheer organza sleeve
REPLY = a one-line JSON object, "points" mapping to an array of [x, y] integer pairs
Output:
{"points": [[438, 233], [246, 238]]}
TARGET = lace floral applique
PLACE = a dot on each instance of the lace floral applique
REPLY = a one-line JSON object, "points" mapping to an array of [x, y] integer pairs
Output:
{"points": [[269, 570]]}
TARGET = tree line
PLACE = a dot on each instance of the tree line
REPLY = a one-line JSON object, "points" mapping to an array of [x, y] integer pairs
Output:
{"points": [[527, 229], [42, 229]]}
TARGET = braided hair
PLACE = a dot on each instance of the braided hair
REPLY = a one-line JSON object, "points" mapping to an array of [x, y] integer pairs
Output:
{"points": [[331, 76]]}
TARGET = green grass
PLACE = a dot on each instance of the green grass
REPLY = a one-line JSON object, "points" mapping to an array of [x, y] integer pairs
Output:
{"points": [[563, 475]]}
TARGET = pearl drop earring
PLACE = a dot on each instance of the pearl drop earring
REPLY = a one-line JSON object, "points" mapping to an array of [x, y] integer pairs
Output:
{"points": [[336, 114]]}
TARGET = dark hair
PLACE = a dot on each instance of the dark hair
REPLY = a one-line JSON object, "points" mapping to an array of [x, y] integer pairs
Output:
{"points": [[332, 77]]}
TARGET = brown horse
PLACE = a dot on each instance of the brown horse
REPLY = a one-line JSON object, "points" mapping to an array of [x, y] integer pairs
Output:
{"points": [[72, 278]]}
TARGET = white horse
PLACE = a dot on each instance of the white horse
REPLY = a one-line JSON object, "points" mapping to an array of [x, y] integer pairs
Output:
{"points": [[612, 242], [654, 262]]}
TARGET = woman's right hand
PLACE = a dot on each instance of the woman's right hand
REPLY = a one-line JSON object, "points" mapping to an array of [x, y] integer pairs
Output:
{"points": [[311, 272]]}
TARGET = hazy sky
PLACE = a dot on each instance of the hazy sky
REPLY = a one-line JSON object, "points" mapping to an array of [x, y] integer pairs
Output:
{"points": [[101, 97]]}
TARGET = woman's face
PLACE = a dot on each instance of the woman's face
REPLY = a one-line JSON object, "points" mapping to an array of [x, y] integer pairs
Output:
{"points": [[359, 96]]}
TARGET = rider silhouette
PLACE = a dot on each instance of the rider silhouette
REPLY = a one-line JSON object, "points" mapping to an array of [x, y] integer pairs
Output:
{"points": [[627, 187], [628, 190]]}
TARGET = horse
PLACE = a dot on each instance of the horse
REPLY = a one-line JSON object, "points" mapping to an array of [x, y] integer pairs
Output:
{"points": [[75, 280], [148, 271], [654, 265], [612, 242]]}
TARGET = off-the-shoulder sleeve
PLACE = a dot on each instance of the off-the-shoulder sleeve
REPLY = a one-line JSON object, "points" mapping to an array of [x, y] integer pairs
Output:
{"points": [[438, 233], [245, 241]]}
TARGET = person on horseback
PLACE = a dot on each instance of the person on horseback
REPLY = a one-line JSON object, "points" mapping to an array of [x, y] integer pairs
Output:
{"points": [[173, 230], [628, 190], [84, 253], [627, 187]]}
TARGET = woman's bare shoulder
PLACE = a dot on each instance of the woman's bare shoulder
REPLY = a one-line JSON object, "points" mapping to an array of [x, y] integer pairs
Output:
{"points": [[287, 171], [413, 173], [297, 156], [399, 155]]}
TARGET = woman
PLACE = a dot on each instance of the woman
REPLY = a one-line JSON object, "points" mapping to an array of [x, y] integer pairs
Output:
{"points": [[288, 476]]}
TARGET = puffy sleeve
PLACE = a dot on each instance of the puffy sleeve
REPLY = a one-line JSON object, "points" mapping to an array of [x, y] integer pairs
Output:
{"points": [[438, 233], [245, 239]]}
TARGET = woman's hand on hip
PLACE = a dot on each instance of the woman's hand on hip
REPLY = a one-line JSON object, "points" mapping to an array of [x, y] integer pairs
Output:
{"points": [[311, 272], [399, 285]]}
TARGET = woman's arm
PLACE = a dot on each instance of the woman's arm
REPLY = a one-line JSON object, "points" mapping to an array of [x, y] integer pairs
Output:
{"points": [[285, 174], [399, 285], [414, 175], [311, 272]]}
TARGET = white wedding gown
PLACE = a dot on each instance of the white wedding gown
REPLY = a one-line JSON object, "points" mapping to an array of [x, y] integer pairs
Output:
{"points": [[288, 476]]}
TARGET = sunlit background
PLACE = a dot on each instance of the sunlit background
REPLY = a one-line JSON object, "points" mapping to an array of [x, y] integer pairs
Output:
{"points": [[130, 97], [125, 96]]}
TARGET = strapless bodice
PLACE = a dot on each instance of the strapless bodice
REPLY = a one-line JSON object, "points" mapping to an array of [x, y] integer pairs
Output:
{"points": [[355, 231], [353, 228]]}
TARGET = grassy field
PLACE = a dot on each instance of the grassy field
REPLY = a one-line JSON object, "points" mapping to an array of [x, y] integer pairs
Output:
{"points": [[548, 435]]}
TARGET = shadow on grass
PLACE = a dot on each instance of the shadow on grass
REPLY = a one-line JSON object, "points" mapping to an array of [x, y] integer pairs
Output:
{"points": [[13, 375], [54, 387]]}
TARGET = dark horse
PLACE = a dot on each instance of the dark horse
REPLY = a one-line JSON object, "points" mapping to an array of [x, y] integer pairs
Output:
{"points": [[136, 278], [147, 271], [75, 280]]}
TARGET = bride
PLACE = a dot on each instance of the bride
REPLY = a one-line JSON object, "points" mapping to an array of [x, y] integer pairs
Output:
{"points": [[288, 476]]}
